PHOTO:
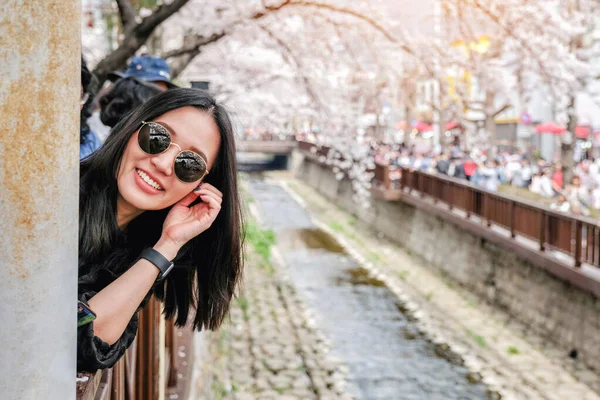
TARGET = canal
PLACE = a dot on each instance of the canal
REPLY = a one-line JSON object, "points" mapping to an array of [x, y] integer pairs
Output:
{"points": [[386, 356]]}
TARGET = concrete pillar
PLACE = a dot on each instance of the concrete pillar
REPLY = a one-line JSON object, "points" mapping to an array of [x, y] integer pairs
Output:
{"points": [[39, 154]]}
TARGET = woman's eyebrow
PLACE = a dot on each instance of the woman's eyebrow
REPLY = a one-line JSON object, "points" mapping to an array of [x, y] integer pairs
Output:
{"points": [[174, 133]]}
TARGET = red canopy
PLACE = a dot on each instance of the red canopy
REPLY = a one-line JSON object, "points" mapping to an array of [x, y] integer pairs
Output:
{"points": [[452, 125], [582, 132], [401, 125], [422, 126], [550, 127]]}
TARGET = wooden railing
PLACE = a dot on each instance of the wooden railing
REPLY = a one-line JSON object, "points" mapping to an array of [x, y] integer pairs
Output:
{"points": [[148, 367], [575, 236]]}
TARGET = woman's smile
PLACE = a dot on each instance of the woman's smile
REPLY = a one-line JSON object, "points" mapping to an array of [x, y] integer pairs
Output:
{"points": [[147, 182]]}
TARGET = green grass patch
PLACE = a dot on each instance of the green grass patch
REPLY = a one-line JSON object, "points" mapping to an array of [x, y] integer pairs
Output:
{"points": [[512, 350], [480, 340], [222, 338], [219, 390], [403, 274], [260, 239], [280, 390], [376, 258], [336, 226], [242, 302], [429, 296], [267, 267]]}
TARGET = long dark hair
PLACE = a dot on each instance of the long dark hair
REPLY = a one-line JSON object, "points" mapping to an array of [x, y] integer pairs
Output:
{"points": [[214, 258], [85, 113], [126, 95]]}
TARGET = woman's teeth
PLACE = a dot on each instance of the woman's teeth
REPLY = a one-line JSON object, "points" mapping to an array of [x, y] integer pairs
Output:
{"points": [[148, 180]]}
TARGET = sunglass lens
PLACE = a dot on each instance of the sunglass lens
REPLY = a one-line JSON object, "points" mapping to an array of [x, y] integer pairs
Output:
{"points": [[153, 138], [189, 166]]}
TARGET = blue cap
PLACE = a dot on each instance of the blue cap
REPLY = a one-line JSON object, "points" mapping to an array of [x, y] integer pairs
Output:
{"points": [[146, 68]]}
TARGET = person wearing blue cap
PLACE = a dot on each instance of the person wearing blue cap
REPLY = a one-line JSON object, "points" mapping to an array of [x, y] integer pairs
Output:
{"points": [[144, 78], [149, 69]]}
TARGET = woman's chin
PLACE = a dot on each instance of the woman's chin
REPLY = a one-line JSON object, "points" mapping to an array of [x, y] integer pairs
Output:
{"points": [[144, 202]]}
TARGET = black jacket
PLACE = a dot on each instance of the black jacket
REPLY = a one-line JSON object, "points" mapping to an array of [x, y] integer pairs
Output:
{"points": [[92, 352]]}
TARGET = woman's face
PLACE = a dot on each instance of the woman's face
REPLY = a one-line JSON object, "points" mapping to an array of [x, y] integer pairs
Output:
{"points": [[190, 128]]}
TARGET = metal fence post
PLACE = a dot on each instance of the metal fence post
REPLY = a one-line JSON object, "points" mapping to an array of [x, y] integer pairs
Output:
{"points": [[39, 171]]}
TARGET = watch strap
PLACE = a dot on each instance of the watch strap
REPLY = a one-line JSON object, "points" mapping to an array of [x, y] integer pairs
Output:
{"points": [[160, 261]]}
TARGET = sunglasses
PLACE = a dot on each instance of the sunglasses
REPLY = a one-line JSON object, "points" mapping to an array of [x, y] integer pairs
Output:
{"points": [[154, 139]]}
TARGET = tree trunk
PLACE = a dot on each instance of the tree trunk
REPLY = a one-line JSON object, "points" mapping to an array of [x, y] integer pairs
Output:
{"points": [[443, 137], [490, 125], [567, 144]]}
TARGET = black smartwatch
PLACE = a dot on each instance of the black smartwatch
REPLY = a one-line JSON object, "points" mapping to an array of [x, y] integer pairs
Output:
{"points": [[164, 266]]}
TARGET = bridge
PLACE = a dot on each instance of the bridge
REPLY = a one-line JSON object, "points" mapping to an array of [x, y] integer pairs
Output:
{"points": [[264, 155], [267, 146]]}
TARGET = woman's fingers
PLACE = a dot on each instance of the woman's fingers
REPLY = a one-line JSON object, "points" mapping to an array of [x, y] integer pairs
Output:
{"points": [[204, 192], [187, 200], [209, 187], [214, 206]]}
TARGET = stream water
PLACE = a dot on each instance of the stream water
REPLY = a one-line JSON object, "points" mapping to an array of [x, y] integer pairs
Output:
{"points": [[386, 356]]}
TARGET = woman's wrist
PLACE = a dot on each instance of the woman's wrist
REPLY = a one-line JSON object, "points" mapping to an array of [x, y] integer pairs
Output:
{"points": [[167, 248]]}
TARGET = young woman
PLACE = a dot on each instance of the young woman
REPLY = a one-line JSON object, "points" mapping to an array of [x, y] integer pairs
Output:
{"points": [[159, 213]]}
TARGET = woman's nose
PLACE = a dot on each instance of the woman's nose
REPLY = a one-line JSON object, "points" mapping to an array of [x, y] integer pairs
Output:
{"points": [[164, 161]]}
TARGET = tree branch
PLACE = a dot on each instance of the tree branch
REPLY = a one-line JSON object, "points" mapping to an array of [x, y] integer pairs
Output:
{"points": [[501, 110], [163, 12], [136, 38], [189, 52], [198, 41], [127, 14]]}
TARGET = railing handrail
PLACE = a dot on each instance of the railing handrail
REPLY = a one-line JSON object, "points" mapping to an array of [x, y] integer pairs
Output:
{"points": [[504, 196], [125, 379]]}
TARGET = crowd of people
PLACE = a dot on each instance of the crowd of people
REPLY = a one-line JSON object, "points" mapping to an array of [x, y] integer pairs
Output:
{"points": [[518, 169]]}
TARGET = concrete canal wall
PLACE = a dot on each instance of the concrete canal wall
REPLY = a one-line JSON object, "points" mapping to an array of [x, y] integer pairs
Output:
{"points": [[555, 309]]}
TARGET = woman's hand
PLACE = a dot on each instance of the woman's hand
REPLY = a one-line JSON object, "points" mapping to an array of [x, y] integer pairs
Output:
{"points": [[183, 222]]}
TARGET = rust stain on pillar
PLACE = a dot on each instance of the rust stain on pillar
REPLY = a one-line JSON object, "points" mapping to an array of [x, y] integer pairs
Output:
{"points": [[39, 147]]}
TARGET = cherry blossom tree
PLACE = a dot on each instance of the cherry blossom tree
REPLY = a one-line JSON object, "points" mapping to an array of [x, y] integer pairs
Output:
{"points": [[535, 43]]}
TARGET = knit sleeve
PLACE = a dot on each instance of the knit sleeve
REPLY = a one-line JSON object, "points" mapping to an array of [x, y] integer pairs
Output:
{"points": [[92, 352]]}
